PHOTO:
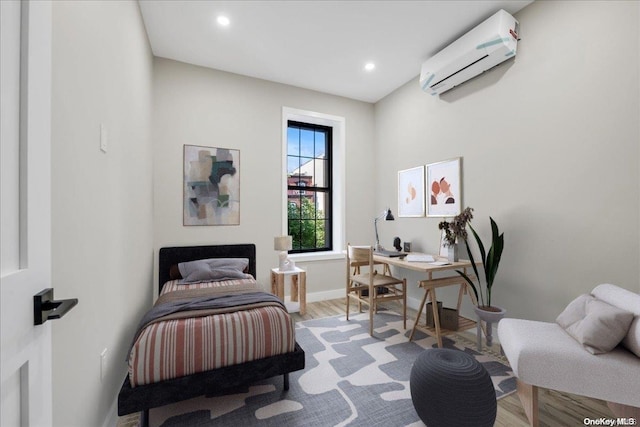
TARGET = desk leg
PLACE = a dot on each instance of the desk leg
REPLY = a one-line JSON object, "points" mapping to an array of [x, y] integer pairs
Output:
{"points": [[462, 288], [422, 303], [303, 292], [472, 296], [371, 307], [479, 327], [404, 303], [436, 316], [294, 287]]}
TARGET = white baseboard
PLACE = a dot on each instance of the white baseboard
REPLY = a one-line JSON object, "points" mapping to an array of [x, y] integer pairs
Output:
{"points": [[111, 419], [325, 295], [112, 415], [413, 303]]}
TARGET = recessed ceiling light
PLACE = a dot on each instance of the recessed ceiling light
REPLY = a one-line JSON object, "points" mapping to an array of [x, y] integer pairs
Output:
{"points": [[369, 66], [223, 20]]}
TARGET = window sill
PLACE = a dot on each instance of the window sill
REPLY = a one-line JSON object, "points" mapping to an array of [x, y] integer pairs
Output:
{"points": [[316, 256]]}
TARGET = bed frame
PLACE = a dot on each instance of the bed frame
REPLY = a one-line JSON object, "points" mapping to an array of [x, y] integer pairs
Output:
{"points": [[210, 383]]}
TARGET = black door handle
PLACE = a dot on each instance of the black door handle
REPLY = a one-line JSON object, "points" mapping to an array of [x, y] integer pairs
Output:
{"points": [[45, 307]]}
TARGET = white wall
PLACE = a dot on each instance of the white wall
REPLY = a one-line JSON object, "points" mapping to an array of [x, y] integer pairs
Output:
{"points": [[549, 141], [550, 151], [199, 106], [102, 203]]}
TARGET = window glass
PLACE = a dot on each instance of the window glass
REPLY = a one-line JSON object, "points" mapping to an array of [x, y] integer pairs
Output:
{"points": [[309, 186]]}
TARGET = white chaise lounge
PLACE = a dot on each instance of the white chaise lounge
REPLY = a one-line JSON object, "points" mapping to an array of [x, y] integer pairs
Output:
{"points": [[543, 354]]}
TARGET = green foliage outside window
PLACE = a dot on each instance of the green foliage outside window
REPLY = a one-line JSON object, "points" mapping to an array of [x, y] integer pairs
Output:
{"points": [[306, 226]]}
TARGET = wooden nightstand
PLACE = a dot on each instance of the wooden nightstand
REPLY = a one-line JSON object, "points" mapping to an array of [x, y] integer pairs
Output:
{"points": [[298, 287]]}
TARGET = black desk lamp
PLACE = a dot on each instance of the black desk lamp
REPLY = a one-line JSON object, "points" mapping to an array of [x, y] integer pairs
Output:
{"points": [[388, 216]]}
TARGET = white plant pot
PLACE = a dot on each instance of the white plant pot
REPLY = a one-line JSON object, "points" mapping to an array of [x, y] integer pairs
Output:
{"points": [[489, 317]]}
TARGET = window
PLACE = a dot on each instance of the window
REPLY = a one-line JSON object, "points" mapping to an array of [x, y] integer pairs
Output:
{"points": [[309, 186], [331, 188]]}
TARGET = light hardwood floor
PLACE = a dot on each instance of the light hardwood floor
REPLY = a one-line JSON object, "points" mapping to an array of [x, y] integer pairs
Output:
{"points": [[556, 409]]}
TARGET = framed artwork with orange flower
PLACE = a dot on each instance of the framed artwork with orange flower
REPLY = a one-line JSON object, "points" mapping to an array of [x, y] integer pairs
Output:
{"points": [[444, 186], [411, 192]]}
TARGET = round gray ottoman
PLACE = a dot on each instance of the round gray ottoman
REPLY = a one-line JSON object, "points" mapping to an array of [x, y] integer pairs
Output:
{"points": [[451, 388]]}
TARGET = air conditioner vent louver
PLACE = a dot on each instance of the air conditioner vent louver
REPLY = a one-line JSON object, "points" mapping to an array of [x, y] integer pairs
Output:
{"points": [[487, 45], [462, 69]]}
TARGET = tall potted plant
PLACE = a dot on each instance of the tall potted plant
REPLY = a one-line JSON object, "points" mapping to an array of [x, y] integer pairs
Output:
{"points": [[490, 262]]}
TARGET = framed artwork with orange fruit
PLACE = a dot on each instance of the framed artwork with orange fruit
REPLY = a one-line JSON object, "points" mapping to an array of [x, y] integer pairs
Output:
{"points": [[411, 192], [444, 187]]}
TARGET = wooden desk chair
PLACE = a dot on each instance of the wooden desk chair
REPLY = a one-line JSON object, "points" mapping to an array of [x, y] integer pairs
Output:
{"points": [[356, 270], [378, 287]]}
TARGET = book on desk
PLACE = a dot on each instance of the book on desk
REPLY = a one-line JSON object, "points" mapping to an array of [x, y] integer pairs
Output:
{"points": [[390, 254], [419, 257]]}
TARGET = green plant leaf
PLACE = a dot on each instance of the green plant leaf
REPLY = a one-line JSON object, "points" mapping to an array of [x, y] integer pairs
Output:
{"points": [[493, 259], [470, 282], [480, 245], [482, 253], [475, 270], [490, 261]]}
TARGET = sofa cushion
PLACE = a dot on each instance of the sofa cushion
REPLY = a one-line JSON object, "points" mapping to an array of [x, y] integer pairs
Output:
{"points": [[542, 354], [626, 300], [598, 326]]}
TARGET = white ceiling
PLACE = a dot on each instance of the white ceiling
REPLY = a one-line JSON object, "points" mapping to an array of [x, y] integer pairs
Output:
{"points": [[320, 45]]}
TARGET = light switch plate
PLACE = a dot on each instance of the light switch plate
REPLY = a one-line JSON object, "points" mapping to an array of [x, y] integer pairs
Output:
{"points": [[103, 364], [103, 138]]}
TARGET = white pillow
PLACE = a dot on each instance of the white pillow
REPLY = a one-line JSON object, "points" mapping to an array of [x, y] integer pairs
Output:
{"points": [[598, 326], [626, 300]]}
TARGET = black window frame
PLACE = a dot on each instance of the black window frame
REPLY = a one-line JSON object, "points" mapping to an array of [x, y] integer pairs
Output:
{"points": [[306, 191]]}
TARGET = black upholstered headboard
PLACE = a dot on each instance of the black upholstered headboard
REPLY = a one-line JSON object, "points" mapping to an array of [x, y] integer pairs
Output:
{"points": [[174, 255]]}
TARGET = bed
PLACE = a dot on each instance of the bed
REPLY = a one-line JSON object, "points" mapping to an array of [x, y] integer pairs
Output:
{"points": [[147, 393]]}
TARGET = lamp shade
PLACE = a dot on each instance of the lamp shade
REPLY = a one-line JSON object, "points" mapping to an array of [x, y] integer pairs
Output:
{"points": [[389, 216], [282, 243]]}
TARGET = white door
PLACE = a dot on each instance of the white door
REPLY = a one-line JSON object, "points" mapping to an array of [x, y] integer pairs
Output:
{"points": [[25, 211]]}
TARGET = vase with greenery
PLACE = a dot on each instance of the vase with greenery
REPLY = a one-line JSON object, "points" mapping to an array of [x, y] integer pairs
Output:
{"points": [[455, 230]]}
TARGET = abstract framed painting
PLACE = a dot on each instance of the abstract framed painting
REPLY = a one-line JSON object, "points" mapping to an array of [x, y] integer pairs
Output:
{"points": [[211, 186], [444, 184], [411, 192]]}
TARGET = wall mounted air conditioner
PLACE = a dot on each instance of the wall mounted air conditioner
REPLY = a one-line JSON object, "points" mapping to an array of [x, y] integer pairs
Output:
{"points": [[484, 47]]}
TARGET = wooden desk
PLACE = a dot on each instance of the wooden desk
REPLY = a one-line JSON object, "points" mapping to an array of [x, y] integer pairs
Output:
{"points": [[430, 284]]}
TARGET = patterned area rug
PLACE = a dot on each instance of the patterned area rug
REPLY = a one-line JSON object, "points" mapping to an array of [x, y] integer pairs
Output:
{"points": [[350, 379]]}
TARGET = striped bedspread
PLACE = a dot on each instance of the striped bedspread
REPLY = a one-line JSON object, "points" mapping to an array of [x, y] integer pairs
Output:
{"points": [[173, 348]]}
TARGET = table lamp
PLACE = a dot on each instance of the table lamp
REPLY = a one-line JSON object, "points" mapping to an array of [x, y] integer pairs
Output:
{"points": [[284, 244], [388, 216]]}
